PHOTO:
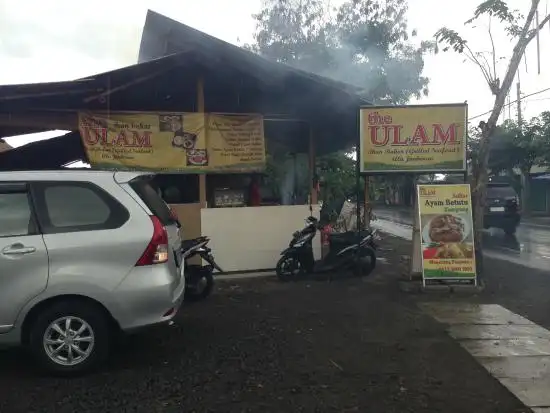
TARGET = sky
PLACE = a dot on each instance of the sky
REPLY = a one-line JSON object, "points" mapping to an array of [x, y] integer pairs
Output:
{"points": [[61, 40]]}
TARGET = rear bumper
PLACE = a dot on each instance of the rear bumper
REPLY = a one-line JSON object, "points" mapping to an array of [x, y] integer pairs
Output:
{"points": [[501, 220], [149, 296]]}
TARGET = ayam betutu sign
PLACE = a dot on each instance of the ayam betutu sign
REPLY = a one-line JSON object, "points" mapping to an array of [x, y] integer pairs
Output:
{"points": [[415, 138], [447, 232]]}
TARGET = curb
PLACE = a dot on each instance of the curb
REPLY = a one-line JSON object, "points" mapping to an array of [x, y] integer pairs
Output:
{"points": [[245, 275], [414, 286]]}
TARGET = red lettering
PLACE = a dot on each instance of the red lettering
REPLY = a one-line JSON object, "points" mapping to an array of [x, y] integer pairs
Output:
{"points": [[375, 118], [138, 139], [374, 136], [448, 137], [419, 137], [398, 140], [121, 139], [93, 136], [143, 141]]}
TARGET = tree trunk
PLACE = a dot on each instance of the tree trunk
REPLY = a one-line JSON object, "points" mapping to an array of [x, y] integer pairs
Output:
{"points": [[525, 191], [480, 177], [480, 172]]}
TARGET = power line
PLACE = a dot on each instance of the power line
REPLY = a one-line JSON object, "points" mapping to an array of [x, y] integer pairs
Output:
{"points": [[511, 103], [535, 100]]}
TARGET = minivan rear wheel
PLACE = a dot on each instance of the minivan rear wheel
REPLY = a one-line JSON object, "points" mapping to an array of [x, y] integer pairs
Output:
{"points": [[510, 230], [70, 337]]}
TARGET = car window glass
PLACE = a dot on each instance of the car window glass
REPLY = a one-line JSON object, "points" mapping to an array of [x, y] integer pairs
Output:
{"points": [[500, 192], [153, 201], [15, 214], [70, 206]]}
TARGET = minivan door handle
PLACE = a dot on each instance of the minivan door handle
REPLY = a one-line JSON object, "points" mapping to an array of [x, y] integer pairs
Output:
{"points": [[18, 249]]}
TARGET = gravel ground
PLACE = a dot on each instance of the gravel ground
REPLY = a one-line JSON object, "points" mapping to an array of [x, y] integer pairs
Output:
{"points": [[262, 346]]}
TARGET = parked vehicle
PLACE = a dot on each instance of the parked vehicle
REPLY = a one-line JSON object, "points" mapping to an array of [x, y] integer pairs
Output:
{"points": [[344, 252], [199, 279], [83, 255], [502, 208]]}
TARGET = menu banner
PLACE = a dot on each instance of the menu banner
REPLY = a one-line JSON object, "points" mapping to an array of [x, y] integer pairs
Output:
{"points": [[447, 232], [413, 139], [174, 142]]}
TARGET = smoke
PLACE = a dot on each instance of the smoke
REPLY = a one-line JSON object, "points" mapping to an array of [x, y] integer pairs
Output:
{"points": [[380, 77], [362, 43], [288, 182]]}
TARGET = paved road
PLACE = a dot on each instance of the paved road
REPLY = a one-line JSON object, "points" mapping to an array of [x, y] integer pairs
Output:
{"points": [[530, 247]]}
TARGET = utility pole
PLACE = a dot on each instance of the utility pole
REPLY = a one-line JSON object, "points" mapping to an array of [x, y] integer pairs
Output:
{"points": [[524, 174], [518, 97]]}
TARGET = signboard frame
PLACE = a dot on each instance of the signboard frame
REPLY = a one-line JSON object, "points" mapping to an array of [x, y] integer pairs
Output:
{"points": [[361, 157], [203, 124], [449, 280]]}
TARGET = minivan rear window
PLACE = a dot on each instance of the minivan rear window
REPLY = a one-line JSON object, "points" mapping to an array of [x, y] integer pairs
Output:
{"points": [[153, 201], [501, 192]]}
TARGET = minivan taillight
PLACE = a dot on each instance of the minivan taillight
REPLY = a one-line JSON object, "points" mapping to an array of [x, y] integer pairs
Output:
{"points": [[157, 250]]}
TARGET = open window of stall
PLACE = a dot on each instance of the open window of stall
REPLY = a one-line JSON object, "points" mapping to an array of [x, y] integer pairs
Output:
{"points": [[239, 190], [181, 192]]}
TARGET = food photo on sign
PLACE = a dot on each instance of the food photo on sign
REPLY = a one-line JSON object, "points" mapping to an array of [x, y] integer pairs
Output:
{"points": [[183, 140], [446, 230], [178, 142], [447, 236]]}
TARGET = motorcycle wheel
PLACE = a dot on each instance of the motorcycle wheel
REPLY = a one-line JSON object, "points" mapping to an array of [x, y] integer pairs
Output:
{"points": [[288, 267], [202, 288], [367, 263]]}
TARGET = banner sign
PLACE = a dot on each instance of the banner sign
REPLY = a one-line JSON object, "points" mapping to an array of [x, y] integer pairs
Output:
{"points": [[173, 142], [414, 139], [447, 232]]}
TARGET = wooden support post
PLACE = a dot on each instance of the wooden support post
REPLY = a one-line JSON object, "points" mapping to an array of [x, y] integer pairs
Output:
{"points": [[415, 268], [368, 209], [313, 188], [200, 108]]}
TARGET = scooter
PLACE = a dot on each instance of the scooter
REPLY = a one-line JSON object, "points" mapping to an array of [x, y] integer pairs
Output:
{"points": [[348, 251], [199, 278]]}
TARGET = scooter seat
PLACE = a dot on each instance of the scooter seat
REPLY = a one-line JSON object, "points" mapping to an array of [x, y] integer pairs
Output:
{"points": [[346, 238], [188, 243]]}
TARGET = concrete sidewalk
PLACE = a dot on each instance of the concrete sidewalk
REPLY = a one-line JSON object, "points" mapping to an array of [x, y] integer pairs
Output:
{"points": [[512, 348], [537, 221]]}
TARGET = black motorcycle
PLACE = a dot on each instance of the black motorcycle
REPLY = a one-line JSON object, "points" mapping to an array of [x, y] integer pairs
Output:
{"points": [[348, 251], [199, 278]]}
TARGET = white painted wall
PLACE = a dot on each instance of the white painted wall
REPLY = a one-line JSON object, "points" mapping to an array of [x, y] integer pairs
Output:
{"points": [[252, 238]]}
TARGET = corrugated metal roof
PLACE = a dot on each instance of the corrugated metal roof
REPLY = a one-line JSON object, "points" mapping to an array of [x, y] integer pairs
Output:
{"points": [[60, 151], [236, 80], [163, 36]]}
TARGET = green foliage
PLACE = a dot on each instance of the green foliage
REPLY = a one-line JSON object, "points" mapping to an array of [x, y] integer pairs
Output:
{"points": [[500, 10], [362, 42], [516, 26], [276, 173], [512, 19], [451, 40], [516, 146], [337, 174]]}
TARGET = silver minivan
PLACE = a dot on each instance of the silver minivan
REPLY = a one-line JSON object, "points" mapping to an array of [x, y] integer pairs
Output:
{"points": [[83, 255]]}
